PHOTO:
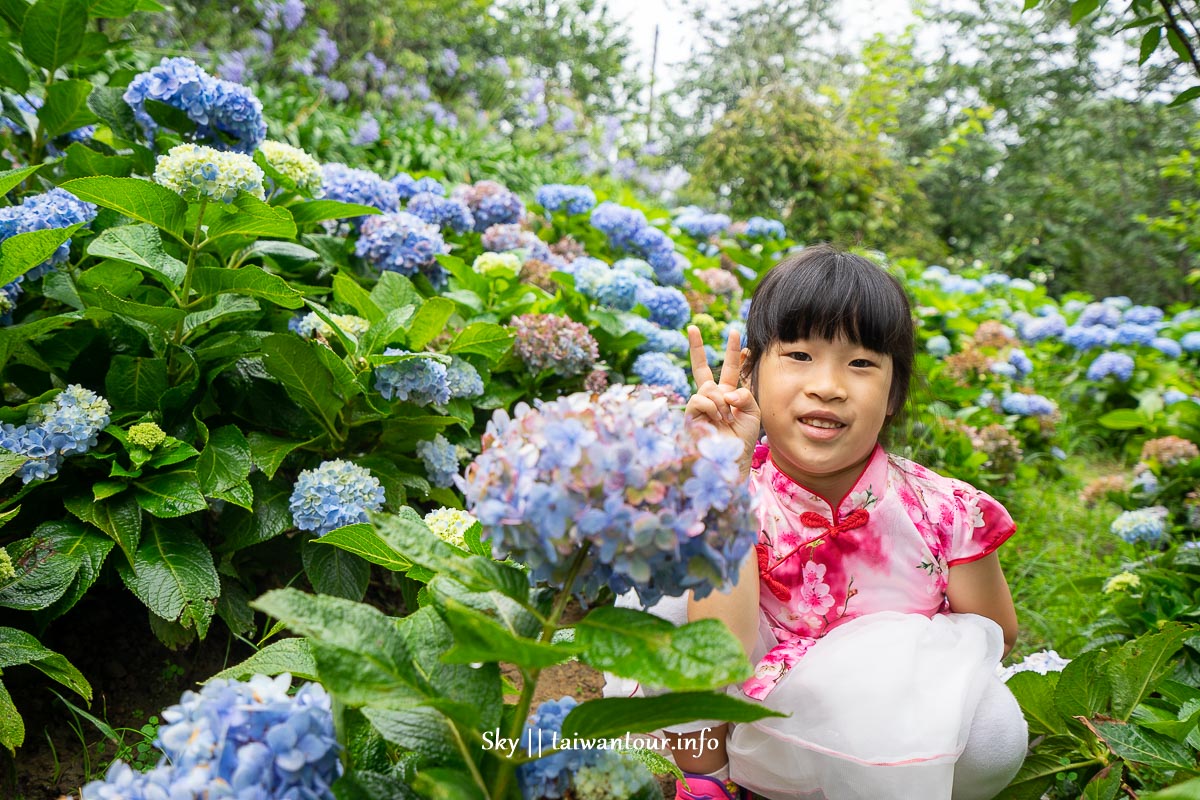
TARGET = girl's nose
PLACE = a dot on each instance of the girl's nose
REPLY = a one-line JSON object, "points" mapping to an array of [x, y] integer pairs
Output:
{"points": [[826, 384]]}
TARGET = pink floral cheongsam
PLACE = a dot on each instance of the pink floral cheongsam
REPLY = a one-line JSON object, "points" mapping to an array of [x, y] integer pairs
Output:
{"points": [[886, 546]]}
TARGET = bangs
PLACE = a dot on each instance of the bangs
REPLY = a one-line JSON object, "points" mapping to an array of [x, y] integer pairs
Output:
{"points": [[823, 293]]}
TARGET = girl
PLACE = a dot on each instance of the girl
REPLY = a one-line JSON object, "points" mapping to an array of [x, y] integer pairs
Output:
{"points": [[874, 606]]}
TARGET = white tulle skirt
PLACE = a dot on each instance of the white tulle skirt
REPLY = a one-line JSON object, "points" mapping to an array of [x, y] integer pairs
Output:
{"points": [[879, 708]]}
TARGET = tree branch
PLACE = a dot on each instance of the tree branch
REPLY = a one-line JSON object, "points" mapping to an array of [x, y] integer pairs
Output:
{"points": [[1183, 37]]}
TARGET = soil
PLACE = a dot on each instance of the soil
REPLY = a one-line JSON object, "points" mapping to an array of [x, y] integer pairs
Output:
{"points": [[134, 676]]}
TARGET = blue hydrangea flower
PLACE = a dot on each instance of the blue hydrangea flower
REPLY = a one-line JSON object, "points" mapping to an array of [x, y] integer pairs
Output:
{"points": [[667, 305], [1168, 347], [612, 470], [957, 284], [367, 132], [1004, 368], [619, 289], [463, 379], [1020, 362], [1191, 342], [1027, 405], [1173, 396], [407, 186], [216, 106], [1086, 337], [573, 199], [589, 273], [658, 369], [995, 279], [401, 242], [1128, 333], [421, 380], [361, 186], [441, 211], [491, 204], [1099, 314], [334, 494], [938, 346], [1119, 365], [1042, 328], [56, 208], [1142, 525], [619, 223], [1143, 315], [701, 225], [659, 340], [550, 776], [285, 14], [440, 459], [68, 425], [763, 228]]}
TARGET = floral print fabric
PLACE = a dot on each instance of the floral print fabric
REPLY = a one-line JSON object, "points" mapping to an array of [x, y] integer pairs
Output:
{"points": [[887, 545]]}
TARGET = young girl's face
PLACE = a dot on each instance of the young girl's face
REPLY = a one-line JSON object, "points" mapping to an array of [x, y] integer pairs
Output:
{"points": [[845, 384]]}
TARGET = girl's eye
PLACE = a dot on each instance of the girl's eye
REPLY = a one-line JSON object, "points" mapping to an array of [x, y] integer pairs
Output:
{"points": [[800, 355], [861, 361]]}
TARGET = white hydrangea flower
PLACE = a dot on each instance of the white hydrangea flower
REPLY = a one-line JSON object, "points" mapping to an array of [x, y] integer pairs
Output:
{"points": [[295, 165], [1041, 663], [505, 265], [196, 171], [1121, 582], [449, 524]]}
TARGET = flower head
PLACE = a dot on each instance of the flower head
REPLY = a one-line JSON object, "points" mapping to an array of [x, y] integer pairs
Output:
{"points": [[404, 243], [657, 499], [1121, 582], [561, 197], [56, 208], [420, 379], [296, 165], [334, 494], [441, 460], [311, 325], [68, 425], [1119, 365], [667, 305], [761, 228], [198, 172], [658, 369], [491, 204], [548, 341], [443, 212], [358, 186], [147, 435], [1142, 524], [450, 525], [550, 776]]}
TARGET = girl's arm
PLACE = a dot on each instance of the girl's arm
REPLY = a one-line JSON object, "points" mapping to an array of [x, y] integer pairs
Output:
{"points": [[979, 587]]}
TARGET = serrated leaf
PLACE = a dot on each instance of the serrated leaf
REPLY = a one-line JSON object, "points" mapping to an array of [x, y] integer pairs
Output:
{"points": [[292, 655], [422, 729], [12, 727], [170, 494], [321, 210], [226, 308], [479, 637], [483, 338], [1084, 690], [616, 716], [135, 198], [1136, 744], [335, 572], [140, 245], [161, 317], [346, 290], [174, 575], [65, 108], [43, 571], [53, 32], [15, 335], [23, 252], [224, 462], [1188, 790], [294, 364], [363, 540], [253, 218], [233, 606], [270, 518], [108, 103], [394, 291], [288, 253], [1139, 665], [19, 647], [135, 383], [119, 519], [634, 644], [1105, 784], [445, 783], [252, 281], [10, 463], [429, 321], [268, 452], [11, 178]]}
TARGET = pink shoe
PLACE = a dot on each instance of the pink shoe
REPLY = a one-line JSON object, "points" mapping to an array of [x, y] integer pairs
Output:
{"points": [[704, 787]]}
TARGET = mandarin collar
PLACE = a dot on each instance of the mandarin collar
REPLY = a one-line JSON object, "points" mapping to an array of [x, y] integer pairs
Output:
{"points": [[867, 491]]}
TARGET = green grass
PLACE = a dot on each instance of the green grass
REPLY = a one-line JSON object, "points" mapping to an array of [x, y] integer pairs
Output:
{"points": [[1062, 553]]}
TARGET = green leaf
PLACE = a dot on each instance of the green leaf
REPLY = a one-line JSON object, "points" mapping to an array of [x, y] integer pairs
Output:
{"points": [[252, 281], [44, 570], [1188, 790], [23, 252], [292, 655], [1186, 96], [65, 108], [1105, 784], [346, 290], [170, 494], [292, 362], [478, 637], [268, 452], [1035, 693], [1136, 744], [289, 254], [253, 218], [270, 517], [11, 178], [161, 317], [13, 74], [320, 210], [485, 339], [633, 644], [394, 291], [173, 574], [430, 320], [424, 730], [1139, 665], [1083, 688], [233, 606], [108, 103], [1178, 45], [135, 198], [53, 32], [12, 728], [1081, 8], [141, 246], [120, 519], [10, 463], [226, 308], [616, 716], [389, 330], [18, 647], [1123, 419], [445, 783], [136, 383], [224, 462], [13, 336], [360, 784], [364, 541], [1150, 40], [335, 572], [471, 696]]}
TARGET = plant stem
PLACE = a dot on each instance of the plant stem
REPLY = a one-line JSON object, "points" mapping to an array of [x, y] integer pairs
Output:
{"points": [[193, 249], [529, 678]]}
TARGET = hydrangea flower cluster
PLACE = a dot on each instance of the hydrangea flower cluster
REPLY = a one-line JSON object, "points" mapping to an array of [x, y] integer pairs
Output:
{"points": [[421, 380], [658, 369], [659, 340], [146, 434], [310, 325], [68, 425], [1191, 342], [1128, 333], [511, 236], [1119, 365], [1040, 662], [287, 14], [407, 186], [361, 186], [7, 571], [573, 199], [491, 204], [236, 739], [1122, 581], [1168, 347], [550, 776], [497, 265], [450, 525], [628, 230], [667, 305], [657, 497], [720, 281], [548, 341], [938, 346], [1143, 315], [441, 460], [1027, 405], [1173, 396], [1040, 328], [763, 228], [56, 208], [614, 777], [1099, 314], [1085, 337], [334, 494], [296, 165], [699, 225], [198, 172], [443, 212], [463, 379], [1169, 451], [404, 243], [1142, 524], [216, 106]]}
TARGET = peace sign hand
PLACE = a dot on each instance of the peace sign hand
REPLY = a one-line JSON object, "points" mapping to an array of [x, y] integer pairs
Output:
{"points": [[731, 409]]}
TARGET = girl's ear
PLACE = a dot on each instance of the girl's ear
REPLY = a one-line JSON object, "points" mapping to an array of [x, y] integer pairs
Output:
{"points": [[745, 357]]}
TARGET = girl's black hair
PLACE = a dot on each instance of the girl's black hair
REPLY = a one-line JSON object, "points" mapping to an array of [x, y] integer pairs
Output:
{"points": [[824, 292]]}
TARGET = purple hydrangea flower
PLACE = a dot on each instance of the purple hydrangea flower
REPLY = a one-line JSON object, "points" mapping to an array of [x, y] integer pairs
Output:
{"points": [[548, 341], [406, 186], [367, 132], [443, 212], [401, 242]]}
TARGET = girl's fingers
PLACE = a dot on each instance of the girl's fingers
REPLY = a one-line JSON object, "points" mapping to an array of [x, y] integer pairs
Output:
{"points": [[700, 406], [700, 370], [732, 367]]}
